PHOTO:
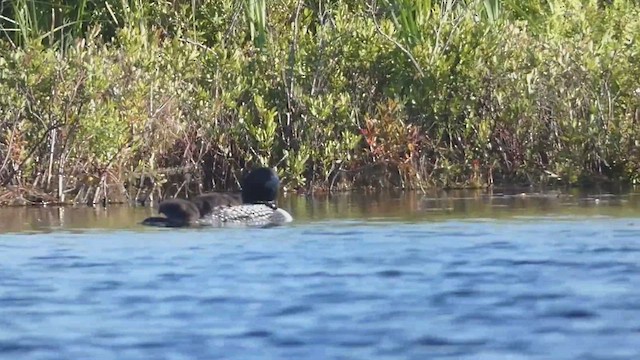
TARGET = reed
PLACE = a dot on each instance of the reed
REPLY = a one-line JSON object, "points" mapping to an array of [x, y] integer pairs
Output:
{"points": [[52, 23], [256, 18]]}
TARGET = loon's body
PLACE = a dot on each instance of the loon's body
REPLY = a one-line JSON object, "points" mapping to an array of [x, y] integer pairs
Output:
{"points": [[255, 207], [253, 215]]}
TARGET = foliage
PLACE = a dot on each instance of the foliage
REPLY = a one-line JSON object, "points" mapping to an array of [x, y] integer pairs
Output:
{"points": [[390, 92]]}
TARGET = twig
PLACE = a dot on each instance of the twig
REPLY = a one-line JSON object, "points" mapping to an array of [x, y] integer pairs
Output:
{"points": [[52, 152], [413, 60], [321, 48], [29, 154], [6, 158], [195, 43], [292, 54]]}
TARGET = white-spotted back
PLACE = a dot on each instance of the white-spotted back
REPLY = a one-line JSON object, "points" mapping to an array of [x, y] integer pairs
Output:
{"points": [[254, 215]]}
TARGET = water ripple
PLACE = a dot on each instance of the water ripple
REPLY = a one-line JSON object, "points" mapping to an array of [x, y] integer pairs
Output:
{"points": [[526, 289], [440, 341]]}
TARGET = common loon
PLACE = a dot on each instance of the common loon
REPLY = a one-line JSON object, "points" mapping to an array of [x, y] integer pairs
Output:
{"points": [[255, 206]]}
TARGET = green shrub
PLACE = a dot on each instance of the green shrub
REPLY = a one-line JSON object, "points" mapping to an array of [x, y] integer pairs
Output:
{"points": [[407, 94]]}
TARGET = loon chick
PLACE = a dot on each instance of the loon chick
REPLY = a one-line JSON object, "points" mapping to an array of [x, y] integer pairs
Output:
{"points": [[178, 212], [255, 207], [209, 201]]}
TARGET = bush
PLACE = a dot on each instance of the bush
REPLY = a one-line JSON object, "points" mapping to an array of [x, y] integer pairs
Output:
{"points": [[165, 96]]}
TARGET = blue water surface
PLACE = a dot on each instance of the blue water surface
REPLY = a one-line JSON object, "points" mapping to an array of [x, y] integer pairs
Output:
{"points": [[519, 288]]}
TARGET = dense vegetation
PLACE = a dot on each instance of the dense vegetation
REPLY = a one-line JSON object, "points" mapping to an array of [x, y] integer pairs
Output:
{"points": [[125, 96]]}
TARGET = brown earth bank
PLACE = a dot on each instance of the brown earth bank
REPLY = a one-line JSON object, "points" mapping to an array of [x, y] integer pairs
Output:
{"points": [[143, 191]]}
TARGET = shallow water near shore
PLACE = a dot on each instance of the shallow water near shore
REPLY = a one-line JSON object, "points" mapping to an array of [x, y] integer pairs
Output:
{"points": [[451, 275]]}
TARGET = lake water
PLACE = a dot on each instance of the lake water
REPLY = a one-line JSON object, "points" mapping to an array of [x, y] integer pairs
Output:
{"points": [[385, 276]]}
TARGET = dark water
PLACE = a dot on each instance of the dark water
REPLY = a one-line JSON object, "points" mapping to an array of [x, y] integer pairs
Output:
{"points": [[455, 276]]}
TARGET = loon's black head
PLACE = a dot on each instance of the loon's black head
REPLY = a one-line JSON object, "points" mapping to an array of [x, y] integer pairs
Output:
{"points": [[260, 186]]}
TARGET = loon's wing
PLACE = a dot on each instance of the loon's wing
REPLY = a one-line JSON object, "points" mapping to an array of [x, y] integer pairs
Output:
{"points": [[254, 215]]}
